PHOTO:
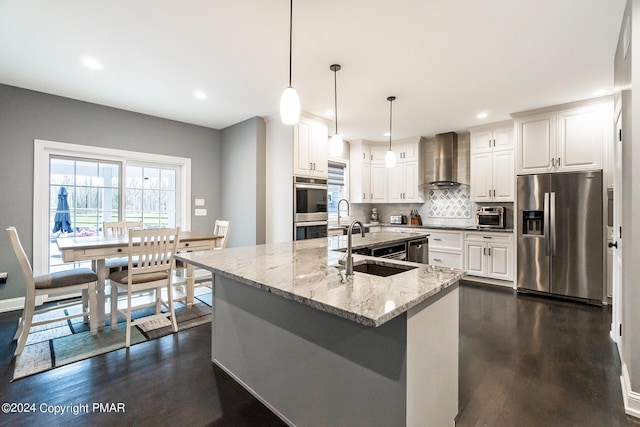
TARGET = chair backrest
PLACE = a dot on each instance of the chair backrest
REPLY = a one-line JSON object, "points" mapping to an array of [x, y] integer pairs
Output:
{"points": [[222, 228], [152, 250], [23, 260], [119, 228]]}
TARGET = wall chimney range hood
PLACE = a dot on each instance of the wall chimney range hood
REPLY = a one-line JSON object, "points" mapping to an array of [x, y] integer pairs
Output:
{"points": [[445, 161]]}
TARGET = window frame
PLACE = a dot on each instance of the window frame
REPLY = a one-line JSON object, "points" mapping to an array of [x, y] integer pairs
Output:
{"points": [[44, 149], [333, 218]]}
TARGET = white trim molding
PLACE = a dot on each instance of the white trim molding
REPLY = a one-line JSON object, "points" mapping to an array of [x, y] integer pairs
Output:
{"points": [[43, 150], [630, 397], [11, 304]]}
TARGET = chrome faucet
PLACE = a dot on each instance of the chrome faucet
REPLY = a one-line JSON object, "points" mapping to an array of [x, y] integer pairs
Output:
{"points": [[340, 201], [349, 254]]}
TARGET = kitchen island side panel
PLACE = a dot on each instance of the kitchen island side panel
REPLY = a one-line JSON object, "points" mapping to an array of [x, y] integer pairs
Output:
{"points": [[308, 366], [314, 368], [432, 360]]}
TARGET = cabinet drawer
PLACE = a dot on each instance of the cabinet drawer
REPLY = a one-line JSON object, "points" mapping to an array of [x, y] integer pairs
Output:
{"points": [[489, 237], [450, 240], [445, 259]]}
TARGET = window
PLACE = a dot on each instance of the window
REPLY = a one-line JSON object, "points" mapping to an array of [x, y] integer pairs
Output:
{"points": [[100, 185], [151, 196], [337, 188]]}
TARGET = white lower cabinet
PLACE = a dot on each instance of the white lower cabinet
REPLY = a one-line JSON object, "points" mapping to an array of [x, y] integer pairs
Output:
{"points": [[489, 255], [445, 248]]}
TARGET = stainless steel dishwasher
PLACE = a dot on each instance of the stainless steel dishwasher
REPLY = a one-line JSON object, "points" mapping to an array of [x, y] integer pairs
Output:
{"points": [[418, 250]]}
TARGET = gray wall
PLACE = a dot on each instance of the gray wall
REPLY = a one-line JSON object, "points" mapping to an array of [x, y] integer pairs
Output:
{"points": [[27, 115], [243, 191]]}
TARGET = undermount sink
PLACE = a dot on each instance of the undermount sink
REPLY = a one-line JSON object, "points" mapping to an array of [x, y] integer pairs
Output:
{"points": [[375, 268]]}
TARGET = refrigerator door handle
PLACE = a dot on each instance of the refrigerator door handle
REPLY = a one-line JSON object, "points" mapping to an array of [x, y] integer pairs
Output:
{"points": [[546, 224], [552, 234]]}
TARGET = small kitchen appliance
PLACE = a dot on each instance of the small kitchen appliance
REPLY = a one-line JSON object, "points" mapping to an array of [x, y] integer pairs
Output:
{"points": [[490, 217]]}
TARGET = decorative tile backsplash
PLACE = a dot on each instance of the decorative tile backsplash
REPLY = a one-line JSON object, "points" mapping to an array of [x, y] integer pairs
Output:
{"points": [[449, 203]]}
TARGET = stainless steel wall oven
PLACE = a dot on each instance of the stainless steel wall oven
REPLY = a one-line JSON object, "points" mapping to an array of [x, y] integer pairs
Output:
{"points": [[310, 213]]}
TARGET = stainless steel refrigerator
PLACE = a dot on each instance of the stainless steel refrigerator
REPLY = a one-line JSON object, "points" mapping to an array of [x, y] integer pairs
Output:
{"points": [[560, 234]]}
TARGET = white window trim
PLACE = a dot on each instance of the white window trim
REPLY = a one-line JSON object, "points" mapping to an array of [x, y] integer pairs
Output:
{"points": [[43, 150], [347, 181]]}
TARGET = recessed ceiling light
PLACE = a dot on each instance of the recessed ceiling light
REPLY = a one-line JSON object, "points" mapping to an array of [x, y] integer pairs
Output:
{"points": [[482, 115], [200, 95], [91, 63]]}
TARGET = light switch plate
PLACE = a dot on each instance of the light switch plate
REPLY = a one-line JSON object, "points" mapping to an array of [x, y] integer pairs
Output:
{"points": [[201, 212], [199, 202]]}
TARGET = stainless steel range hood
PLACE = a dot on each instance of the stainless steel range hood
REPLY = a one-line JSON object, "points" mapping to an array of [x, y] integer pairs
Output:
{"points": [[444, 172]]}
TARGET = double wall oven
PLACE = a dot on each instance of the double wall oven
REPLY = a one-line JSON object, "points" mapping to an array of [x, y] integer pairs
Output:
{"points": [[310, 214]]}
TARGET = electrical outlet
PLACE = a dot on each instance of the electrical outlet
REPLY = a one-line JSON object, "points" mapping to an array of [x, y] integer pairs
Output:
{"points": [[201, 212], [3, 278]]}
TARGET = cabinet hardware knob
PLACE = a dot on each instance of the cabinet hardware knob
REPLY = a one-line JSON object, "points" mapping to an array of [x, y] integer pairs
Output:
{"points": [[613, 245], [186, 244], [119, 249]]}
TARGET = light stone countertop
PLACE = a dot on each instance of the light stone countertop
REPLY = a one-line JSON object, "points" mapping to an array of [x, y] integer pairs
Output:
{"points": [[308, 272]]}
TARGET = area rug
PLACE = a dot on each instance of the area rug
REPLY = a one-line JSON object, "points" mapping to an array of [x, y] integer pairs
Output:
{"points": [[56, 344]]}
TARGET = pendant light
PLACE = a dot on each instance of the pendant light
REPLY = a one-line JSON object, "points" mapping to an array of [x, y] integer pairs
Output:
{"points": [[290, 101], [390, 157], [335, 144]]}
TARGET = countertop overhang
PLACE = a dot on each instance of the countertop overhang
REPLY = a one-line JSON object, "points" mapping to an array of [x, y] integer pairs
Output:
{"points": [[308, 272]]}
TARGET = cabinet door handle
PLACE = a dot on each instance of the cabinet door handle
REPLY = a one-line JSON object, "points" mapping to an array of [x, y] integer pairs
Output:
{"points": [[553, 162], [486, 237], [484, 251], [558, 161], [489, 143], [489, 250], [364, 156], [437, 240], [494, 194], [437, 259], [364, 196], [494, 142]]}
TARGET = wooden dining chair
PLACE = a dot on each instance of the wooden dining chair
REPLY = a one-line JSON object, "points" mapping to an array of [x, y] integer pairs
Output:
{"points": [[77, 279], [118, 229], [153, 249], [222, 228]]}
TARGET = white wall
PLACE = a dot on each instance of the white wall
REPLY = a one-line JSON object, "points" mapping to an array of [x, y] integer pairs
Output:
{"points": [[279, 181]]}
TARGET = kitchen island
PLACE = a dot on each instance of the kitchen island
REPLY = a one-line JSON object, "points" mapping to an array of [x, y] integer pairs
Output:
{"points": [[321, 349]]}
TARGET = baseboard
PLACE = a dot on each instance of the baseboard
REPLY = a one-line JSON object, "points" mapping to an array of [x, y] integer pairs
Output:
{"points": [[630, 397], [11, 304], [504, 283]]}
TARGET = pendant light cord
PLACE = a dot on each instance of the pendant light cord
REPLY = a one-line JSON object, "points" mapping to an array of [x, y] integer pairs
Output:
{"points": [[335, 94], [290, 38], [390, 118]]}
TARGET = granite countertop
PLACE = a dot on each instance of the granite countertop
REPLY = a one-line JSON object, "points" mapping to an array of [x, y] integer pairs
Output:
{"points": [[308, 272]]}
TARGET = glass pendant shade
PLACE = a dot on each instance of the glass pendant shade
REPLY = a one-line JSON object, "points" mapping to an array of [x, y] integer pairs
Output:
{"points": [[290, 106], [336, 145], [390, 159]]}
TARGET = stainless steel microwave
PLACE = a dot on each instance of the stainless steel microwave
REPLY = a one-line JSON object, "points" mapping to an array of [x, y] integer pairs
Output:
{"points": [[490, 217]]}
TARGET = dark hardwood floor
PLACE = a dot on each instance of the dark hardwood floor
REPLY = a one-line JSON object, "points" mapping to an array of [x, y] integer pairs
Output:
{"points": [[524, 361]]}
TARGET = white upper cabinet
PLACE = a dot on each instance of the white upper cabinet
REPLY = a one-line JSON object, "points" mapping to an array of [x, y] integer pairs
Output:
{"points": [[565, 138], [368, 178], [310, 142], [406, 177], [493, 163], [496, 137], [372, 182]]}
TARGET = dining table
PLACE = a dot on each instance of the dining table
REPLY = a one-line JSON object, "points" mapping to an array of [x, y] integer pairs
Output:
{"points": [[99, 248]]}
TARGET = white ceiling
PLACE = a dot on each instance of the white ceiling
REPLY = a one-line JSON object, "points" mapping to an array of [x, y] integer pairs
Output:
{"points": [[444, 60]]}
